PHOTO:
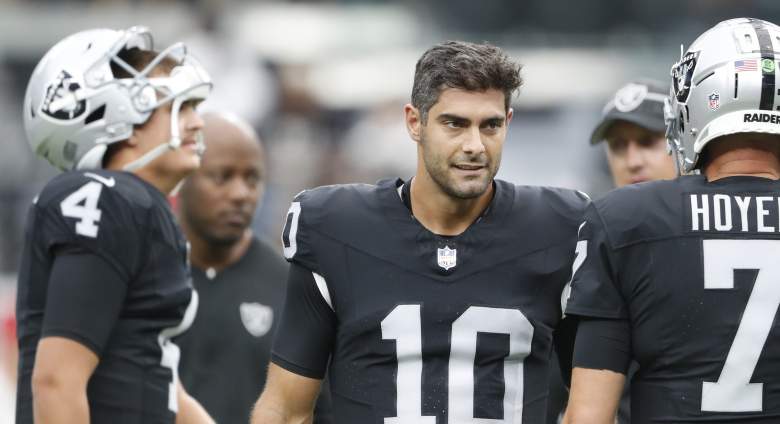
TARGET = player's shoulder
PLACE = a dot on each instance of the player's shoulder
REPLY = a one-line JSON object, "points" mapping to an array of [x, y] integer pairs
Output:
{"points": [[117, 188], [554, 202], [340, 202], [344, 213], [644, 211]]}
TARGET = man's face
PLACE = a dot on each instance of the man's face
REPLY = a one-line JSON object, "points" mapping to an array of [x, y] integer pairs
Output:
{"points": [[636, 154], [460, 143], [157, 131], [219, 200]]}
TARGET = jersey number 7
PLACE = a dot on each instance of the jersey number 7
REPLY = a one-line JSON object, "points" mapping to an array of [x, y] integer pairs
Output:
{"points": [[733, 392]]}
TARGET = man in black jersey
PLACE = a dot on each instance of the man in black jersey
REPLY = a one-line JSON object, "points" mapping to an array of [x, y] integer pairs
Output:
{"points": [[239, 277], [104, 282], [431, 300], [682, 275]]}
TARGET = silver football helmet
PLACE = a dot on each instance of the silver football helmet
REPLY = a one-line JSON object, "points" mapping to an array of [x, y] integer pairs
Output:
{"points": [[724, 84], [75, 107]]}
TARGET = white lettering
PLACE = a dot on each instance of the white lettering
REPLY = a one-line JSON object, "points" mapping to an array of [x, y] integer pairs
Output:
{"points": [[761, 213], [722, 206], [743, 203], [696, 211]]}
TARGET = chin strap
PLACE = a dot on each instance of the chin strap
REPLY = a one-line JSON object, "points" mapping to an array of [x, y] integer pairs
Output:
{"points": [[172, 144]]}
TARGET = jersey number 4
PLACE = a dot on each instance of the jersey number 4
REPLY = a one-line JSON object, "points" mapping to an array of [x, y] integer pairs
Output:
{"points": [[404, 325], [733, 392], [82, 204]]}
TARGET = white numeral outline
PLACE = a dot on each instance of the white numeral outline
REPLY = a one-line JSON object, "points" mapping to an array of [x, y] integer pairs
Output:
{"points": [[733, 392]]}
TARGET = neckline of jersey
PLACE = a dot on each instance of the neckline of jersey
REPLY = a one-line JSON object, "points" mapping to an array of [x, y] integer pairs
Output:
{"points": [[402, 212]]}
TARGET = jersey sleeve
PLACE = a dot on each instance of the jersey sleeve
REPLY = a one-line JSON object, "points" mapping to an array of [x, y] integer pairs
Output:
{"points": [[84, 298], [86, 215], [595, 290], [307, 329], [603, 344]]}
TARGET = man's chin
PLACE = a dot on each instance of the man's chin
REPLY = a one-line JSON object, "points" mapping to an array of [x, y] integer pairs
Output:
{"points": [[468, 190], [225, 239]]}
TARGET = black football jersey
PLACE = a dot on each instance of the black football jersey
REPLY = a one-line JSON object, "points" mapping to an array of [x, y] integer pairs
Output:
{"points": [[695, 268], [128, 224], [422, 328]]}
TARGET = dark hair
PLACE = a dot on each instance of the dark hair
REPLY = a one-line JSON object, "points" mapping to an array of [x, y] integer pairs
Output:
{"points": [[138, 59], [468, 66]]}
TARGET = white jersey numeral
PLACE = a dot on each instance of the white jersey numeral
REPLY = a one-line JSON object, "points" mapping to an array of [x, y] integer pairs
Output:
{"points": [[733, 392], [82, 204], [170, 351], [404, 325], [580, 252]]}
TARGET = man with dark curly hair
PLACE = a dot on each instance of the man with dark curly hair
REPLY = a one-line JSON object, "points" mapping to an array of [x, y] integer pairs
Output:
{"points": [[433, 299]]}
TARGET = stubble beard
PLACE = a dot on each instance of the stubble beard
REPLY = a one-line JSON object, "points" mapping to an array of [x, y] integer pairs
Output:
{"points": [[442, 174]]}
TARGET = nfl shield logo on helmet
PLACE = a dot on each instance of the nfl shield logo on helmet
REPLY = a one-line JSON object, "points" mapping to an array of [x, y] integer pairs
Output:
{"points": [[447, 258], [714, 100]]}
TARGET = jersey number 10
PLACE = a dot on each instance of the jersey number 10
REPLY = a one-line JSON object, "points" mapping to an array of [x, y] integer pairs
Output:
{"points": [[404, 325]]}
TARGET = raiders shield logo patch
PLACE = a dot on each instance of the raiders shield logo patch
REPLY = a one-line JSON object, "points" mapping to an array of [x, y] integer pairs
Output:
{"points": [[682, 74], [257, 318], [62, 98], [447, 258]]}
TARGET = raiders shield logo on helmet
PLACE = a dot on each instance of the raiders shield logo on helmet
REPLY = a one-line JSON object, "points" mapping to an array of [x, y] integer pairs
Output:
{"points": [[62, 98], [682, 73]]}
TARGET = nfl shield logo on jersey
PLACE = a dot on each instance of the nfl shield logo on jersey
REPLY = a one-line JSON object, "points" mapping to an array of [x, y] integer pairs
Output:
{"points": [[447, 258], [257, 318]]}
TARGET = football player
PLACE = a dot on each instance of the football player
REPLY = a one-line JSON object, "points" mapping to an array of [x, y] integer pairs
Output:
{"points": [[431, 300], [632, 128], [104, 282], [682, 275]]}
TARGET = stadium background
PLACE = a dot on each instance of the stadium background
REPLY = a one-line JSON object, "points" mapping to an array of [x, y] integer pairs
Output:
{"points": [[324, 83]]}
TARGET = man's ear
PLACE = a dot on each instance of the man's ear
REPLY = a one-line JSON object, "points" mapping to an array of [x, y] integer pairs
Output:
{"points": [[413, 121], [509, 114]]}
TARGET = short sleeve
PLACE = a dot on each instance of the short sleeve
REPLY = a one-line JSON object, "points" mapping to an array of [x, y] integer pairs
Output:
{"points": [[594, 289], [84, 299], [88, 215], [307, 330]]}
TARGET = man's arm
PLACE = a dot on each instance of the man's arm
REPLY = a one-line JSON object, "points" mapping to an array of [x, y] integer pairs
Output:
{"points": [[602, 354], [288, 398], [594, 396], [59, 381], [190, 411], [85, 295]]}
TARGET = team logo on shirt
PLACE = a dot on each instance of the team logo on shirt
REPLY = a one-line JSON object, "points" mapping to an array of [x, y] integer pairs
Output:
{"points": [[447, 258], [257, 318]]}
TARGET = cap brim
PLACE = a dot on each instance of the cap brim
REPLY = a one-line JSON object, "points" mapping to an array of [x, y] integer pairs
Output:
{"points": [[648, 122]]}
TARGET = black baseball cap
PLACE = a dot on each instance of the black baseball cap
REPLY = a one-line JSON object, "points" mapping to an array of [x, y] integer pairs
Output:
{"points": [[640, 102]]}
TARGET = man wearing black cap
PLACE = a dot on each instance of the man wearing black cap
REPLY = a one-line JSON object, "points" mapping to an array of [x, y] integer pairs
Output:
{"points": [[633, 127]]}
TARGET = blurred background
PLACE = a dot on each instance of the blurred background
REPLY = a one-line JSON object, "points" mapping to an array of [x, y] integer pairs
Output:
{"points": [[324, 83]]}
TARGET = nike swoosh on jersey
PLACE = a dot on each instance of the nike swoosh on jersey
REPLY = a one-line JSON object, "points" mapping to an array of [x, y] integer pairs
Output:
{"points": [[108, 182]]}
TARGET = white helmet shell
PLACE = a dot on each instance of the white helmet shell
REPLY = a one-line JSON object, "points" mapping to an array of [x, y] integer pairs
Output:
{"points": [[725, 83], [74, 107]]}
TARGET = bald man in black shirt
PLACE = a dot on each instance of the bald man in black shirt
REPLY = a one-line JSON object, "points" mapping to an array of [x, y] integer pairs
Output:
{"points": [[241, 279]]}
